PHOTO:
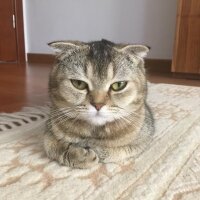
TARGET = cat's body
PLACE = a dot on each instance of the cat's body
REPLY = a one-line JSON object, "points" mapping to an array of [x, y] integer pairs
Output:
{"points": [[99, 111]]}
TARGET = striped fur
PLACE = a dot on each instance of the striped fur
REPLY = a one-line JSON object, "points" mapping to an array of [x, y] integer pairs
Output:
{"points": [[77, 134]]}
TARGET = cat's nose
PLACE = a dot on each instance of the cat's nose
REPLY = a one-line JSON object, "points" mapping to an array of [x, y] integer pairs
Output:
{"points": [[98, 106]]}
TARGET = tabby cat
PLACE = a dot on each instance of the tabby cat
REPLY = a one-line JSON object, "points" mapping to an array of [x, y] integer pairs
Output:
{"points": [[98, 103]]}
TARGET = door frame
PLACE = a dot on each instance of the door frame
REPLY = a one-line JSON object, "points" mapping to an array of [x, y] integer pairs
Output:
{"points": [[20, 31], [18, 5]]}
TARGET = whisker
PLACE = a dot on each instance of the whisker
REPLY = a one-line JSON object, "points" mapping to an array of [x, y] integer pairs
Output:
{"points": [[69, 124]]}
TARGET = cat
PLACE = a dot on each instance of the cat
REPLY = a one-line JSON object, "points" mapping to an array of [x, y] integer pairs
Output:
{"points": [[98, 108]]}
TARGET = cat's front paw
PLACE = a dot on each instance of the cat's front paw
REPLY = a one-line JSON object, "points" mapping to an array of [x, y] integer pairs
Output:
{"points": [[80, 157], [102, 153]]}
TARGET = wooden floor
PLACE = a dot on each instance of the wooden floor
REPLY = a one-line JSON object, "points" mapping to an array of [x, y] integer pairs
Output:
{"points": [[28, 85]]}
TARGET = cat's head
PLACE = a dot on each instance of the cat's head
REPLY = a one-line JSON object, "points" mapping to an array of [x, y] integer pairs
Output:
{"points": [[98, 82]]}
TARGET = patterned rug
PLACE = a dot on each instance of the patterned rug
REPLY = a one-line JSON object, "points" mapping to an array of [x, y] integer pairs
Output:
{"points": [[169, 169]]}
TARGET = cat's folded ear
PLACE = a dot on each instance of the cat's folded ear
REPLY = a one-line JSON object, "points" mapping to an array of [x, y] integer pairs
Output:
{"points": [[64, 46], [138, 50]]}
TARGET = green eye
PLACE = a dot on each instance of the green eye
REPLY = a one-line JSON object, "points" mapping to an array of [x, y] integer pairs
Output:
{"points": [[117, 86], [80, 85]]}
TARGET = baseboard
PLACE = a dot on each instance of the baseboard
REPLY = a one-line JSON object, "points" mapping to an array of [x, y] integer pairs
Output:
{"points": [[186, 76], [152, 65], [40, 58], [158, 65]]}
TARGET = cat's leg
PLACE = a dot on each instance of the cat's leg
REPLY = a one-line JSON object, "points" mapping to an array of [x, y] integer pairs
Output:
{"points": [[114, 154], [107, 155], [134, 149], [69, 154]]}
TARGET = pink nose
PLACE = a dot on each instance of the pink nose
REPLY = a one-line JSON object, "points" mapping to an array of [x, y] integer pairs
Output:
{"points": [[98, 106]]}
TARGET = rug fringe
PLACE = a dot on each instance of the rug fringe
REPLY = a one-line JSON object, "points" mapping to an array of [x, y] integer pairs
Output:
{"points": [[27, 116]]}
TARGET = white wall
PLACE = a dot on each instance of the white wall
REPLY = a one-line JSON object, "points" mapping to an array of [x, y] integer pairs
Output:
{"points": [[150, 22]]}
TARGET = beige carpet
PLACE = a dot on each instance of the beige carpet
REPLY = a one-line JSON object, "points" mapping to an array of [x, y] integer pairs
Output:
{"points": [[170, 169]]}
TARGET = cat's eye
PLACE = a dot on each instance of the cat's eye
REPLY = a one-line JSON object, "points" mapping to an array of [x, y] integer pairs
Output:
{"points": [[80, 85], [117, 86]]}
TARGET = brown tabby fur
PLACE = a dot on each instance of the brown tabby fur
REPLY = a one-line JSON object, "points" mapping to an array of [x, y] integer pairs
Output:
{"points": [[77, 134]]}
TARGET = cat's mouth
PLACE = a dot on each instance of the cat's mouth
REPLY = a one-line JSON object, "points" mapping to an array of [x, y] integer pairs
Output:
{"points": [[98, 114], [99, 118]]}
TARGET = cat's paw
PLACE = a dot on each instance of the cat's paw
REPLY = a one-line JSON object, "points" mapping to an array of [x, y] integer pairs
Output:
{"points": [[102, 153], [80, 157]]}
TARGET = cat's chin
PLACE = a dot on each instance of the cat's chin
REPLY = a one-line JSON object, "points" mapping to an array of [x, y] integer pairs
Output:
{"points": [[98, 120]]}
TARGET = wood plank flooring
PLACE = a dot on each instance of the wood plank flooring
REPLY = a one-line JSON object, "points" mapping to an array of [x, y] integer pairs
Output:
{"points": [[28, 85]]}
